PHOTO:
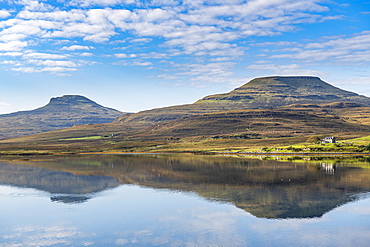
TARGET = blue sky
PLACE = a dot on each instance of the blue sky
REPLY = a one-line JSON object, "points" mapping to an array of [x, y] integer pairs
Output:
{"points": [[134, 55]]}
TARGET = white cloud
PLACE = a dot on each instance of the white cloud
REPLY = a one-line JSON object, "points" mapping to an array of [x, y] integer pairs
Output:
{"points": [[86, 54], [168, 77], [278, 43], [89, 32], [217, 69], [200, 25], [53, 63], [12, 37], [154, 55], [57, 69], [35, 62], [46, 69], [11, 62], [34, 5], [39, 55], [201, 74], [88, 3], [57, 15], [205, 30], [13, 45], [26, 28], [220, 59], [284, 69], [25, 69], [134, 63], [124, 55], [76, 47], [4, 14], [141, 63], [11, 54], [353, 49], [141, 40]]}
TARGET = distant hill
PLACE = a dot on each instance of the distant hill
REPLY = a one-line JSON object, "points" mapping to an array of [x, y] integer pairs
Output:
{"points": [[260, 93], [268, 110], [272, 92], [59, 113]]}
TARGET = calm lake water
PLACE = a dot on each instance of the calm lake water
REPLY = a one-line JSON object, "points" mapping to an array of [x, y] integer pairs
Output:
{"points": [[184, 200]]}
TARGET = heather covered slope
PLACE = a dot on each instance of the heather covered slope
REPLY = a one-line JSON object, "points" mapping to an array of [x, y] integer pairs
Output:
{"points": [[224, 120], [60, 112], [272, 92], [260, 93], [240, 129], [255, 124]]}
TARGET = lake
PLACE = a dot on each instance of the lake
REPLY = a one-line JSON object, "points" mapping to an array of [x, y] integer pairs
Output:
{"points": [[184, 200]]}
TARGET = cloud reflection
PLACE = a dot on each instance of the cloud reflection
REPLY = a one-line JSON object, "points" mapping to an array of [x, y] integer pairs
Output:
{"points": [[44, 236]]}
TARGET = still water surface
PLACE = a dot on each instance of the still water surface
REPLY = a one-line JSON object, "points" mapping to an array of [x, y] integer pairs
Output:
{"points": [[184, 200]]}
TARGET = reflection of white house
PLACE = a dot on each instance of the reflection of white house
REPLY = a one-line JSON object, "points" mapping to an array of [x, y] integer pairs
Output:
{"points": [[329, 168], [330, 139]]}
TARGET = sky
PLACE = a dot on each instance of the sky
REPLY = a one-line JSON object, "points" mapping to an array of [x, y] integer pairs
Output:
{"points": [[135, 55]]}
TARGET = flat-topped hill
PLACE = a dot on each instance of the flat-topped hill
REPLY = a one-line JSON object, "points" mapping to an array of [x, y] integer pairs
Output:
{"points": [[68, 102], [60, 112], [260, 93], [265, 110], [272, 92]]}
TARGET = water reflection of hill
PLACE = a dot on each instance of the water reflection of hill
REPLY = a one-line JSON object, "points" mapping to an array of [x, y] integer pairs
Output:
{"points": [[268, 189], [56, 182]]}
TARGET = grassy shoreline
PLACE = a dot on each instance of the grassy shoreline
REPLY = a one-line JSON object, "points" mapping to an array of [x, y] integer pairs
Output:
{"points": [[348, 145], [36, 153]]}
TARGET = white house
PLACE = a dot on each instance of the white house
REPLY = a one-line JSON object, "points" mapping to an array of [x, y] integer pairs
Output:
{"points": [[330, 139]]}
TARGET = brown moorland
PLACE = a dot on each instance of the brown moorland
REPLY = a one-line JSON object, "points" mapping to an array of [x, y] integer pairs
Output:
{"points": [[305, 107]]}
